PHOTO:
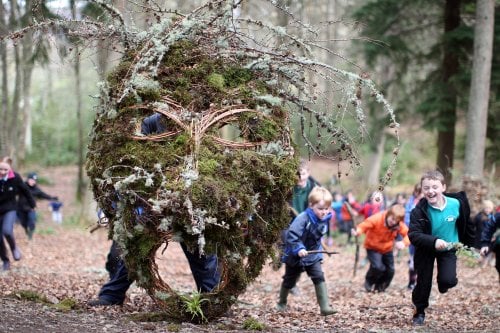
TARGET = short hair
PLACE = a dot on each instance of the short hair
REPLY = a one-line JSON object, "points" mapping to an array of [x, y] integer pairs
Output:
{"points": [[398, 211], [488, 204], [318, 194], [303, 164], [417, 189], [433, 175]]}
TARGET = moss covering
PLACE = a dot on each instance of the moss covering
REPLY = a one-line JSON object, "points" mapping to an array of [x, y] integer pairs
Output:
{"points": [[229, 197]]}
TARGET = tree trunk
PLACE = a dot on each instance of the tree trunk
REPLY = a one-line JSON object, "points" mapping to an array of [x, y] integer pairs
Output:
{"points": [[80, 186], [4, 107], [27, 70], [446, 134], [477, 114]]}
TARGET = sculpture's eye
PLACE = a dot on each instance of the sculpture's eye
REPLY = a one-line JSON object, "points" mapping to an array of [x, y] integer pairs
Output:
{"points": [[235, 127], [245, 129]]}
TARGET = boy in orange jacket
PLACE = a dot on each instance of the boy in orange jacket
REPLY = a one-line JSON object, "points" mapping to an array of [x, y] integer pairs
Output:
{"points": [[381, 231]]}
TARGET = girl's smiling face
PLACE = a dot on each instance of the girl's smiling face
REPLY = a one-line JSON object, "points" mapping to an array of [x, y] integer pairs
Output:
{"points": [[433, 189], [320, 209], [4, 169]]}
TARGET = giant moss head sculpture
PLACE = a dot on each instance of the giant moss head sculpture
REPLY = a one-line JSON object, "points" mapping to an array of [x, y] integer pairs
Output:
{"points": [[219, 174], [218, 177]]}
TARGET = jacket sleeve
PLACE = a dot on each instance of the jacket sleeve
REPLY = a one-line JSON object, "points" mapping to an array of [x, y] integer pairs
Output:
{"points": [[295, 232], [365, 225], [469, 227], [489, 229], [36, 192], [403, 234]]}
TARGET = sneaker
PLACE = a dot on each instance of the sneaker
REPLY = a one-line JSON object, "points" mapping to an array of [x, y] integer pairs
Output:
{"points": [[16, 254], [6, 266], [103, 302], [368, 286], [418, 319], [30, 233]]}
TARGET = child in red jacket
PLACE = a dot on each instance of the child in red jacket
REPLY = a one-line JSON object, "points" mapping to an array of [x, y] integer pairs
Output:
{"points": [[381, 230]]}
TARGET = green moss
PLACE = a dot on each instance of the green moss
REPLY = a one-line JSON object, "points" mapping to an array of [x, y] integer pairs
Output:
{"points": [[236, 76], [216, 81], [67, 304], [149, 95], [253, 325], [208, 166], [31, 295]]}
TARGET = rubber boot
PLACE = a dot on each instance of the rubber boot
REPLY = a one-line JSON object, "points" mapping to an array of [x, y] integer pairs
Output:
{"points": [[281, 306], [322, 297]]}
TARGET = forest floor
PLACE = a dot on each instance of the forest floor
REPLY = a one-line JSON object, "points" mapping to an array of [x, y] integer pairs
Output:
{"points": [[67, 262]]}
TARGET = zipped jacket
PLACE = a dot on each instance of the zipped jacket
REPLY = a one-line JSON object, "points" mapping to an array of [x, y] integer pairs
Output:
{"points": [[420, 232], [489, 230], [379, 237], [10, 189], [306, 234]]}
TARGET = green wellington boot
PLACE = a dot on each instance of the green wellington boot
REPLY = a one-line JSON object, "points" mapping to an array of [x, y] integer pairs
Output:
{"points": [[322, 296], [281, 306]]}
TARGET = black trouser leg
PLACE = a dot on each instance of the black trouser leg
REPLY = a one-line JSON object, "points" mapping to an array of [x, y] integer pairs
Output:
{"points": [[446, 270], [377, 267], [424, 266]]}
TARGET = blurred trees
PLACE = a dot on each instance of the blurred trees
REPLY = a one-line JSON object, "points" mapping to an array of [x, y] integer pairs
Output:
{"points": [[428, 45], [421, 52]]}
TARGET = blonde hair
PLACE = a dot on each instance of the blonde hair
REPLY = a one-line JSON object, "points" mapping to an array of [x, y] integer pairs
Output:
{"points": [[488, 204], [318, 194], [304, 164], [398, 211]]}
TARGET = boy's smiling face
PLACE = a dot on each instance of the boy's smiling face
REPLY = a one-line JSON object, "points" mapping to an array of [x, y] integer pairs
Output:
{"points": [[432, 190]]}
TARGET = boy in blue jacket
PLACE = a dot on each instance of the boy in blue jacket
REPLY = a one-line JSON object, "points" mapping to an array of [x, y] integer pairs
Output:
{"points": [[304, 235]]}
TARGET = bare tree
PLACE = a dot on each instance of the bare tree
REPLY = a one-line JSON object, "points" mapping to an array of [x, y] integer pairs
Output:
{"points": [[450, 65], [477, 114]]}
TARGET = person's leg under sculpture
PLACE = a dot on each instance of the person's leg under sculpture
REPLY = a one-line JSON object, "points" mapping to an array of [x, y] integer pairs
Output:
{"points": [[114, 291], [205, 269]]}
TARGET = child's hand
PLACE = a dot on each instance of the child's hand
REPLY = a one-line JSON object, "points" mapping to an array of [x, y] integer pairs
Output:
{"points": [[302, 253], [484, 250], [440, 244], [354, 232], [400, 245]]}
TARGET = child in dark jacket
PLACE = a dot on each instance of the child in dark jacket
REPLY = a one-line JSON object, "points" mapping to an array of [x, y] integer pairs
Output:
{"points": [[439, 220], [11, 185], [488, 244], [303, 237], [25, 214]]}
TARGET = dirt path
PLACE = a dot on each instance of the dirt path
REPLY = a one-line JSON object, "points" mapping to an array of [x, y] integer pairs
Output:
{"points": [[64, 262]]}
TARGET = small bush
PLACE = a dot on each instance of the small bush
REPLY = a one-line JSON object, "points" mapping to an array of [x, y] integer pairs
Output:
{"points": [[253, 325]]}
